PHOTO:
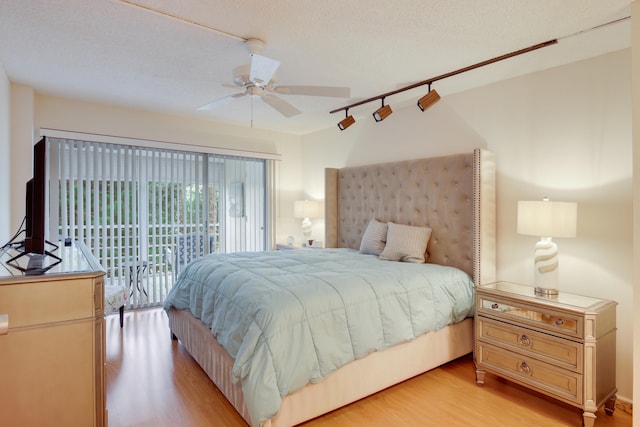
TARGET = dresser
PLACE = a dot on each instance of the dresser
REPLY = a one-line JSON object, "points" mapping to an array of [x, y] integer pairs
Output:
{"points": [[563, 346], [52, 342]]}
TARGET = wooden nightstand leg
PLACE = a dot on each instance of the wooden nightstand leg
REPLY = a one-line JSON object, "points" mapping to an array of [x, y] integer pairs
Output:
{"points": [[480, 376], [610, 405], [588, 418]]}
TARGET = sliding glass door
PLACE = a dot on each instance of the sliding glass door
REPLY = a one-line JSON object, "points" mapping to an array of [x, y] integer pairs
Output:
{"points": [[147, 212]]}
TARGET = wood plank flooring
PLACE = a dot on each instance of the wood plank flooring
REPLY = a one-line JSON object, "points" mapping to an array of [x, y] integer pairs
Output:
{"points": [[153, 381]]}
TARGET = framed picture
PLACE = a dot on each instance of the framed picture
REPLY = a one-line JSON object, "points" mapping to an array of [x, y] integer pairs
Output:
{"points": [[236, 200]]}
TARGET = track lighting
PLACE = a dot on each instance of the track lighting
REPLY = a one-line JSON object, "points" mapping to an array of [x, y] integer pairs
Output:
{"points": [[382, 113], [432, 96], [347, 121], [429, 99]]}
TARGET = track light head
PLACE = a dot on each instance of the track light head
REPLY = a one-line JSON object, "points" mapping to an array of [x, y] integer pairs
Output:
{"points": [[429, 99], [347, 121], [382, 113]]}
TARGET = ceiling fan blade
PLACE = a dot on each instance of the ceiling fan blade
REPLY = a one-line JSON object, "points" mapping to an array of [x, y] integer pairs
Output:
{"points": [[282, 106], [221, 101], [330, 91], [262, 69]]}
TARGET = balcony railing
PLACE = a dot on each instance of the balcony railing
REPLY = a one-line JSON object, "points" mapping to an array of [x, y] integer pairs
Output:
{"points": [[147, 264]]}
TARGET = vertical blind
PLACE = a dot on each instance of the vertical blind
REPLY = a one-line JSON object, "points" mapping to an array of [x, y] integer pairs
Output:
{"points": [[146, 212]]}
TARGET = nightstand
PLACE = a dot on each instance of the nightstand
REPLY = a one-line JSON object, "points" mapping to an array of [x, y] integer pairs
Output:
{"points": [[286, 247], [563, 346]]}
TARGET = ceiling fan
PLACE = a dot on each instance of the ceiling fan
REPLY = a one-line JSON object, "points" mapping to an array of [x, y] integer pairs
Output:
{"points": [[258, 80]]}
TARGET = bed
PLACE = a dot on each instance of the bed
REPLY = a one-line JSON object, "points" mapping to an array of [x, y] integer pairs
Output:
{"points": [[452, 195]]}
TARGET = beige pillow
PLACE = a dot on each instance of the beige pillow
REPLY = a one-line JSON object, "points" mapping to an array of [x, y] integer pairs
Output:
{"points": [[374, 238], [406, 243]]}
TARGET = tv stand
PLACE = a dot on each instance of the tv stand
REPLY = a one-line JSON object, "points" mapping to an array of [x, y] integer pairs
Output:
{"points": [[37, 262], [52, 346]]}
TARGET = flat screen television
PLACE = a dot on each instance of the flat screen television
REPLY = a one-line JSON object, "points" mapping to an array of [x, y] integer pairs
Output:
{"points": [[36, 197], [33, 256]]}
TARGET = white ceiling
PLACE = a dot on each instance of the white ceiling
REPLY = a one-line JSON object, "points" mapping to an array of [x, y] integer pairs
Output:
{"points": [[113, 52]]}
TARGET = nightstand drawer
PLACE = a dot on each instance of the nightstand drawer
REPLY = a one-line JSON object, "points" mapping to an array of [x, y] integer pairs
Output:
{"points": [[547, 378], [556, 351], [536, 317]]}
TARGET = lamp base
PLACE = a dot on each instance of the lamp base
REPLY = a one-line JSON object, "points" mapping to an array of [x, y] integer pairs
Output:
{"points": [[306, 228], [546, 267], [546, 292]]}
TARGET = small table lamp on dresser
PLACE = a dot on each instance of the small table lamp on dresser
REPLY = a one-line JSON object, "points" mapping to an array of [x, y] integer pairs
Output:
{"points": [[547, 219]]}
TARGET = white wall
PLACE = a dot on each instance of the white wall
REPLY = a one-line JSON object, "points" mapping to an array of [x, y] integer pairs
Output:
{"points": [[21, 151], [5, 172], [72, 115], [563, 133]]}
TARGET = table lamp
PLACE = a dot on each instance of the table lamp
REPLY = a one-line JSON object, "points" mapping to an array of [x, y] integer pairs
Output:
{"points": [[547, 219], [307, 209]]}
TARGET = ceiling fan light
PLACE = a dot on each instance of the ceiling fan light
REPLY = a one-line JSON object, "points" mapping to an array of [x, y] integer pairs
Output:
{"points": [[428, 100], [346, 122], [382, 113]]}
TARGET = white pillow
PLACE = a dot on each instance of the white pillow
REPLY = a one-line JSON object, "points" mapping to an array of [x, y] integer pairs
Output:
{"points": [[406, 243], [374, 238]]}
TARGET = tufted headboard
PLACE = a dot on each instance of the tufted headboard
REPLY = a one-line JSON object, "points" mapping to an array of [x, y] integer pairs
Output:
{"points": [[454, 195]]}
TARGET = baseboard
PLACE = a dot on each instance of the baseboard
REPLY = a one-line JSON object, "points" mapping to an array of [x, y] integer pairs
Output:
{"points": [[625, 405]]}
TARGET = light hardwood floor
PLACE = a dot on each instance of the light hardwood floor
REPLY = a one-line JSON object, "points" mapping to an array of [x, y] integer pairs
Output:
{"points": [[153, 381]]}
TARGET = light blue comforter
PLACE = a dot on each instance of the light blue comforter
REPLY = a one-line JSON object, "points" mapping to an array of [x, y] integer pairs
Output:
{"points": [[290, 317]]}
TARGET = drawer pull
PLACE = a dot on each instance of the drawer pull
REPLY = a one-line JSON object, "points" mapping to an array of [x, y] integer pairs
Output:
{"points": [[559, 322], [524, 368], [524, 341], [495, 306]]}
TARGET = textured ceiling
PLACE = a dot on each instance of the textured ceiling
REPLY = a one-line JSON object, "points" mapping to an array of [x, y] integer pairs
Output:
{"points": [[113, 52]]}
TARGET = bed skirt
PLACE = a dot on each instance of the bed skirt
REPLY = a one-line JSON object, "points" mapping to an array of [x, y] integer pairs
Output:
{"points": [[352, 382]]}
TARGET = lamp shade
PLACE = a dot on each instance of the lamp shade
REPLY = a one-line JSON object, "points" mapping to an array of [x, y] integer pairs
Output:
{"points": [[307, 209], [544, 218]]}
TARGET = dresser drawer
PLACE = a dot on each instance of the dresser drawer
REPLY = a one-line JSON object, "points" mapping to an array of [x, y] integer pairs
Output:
{"points": [[37, 303], [541, 318], [548, 379], [556, 351]]}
